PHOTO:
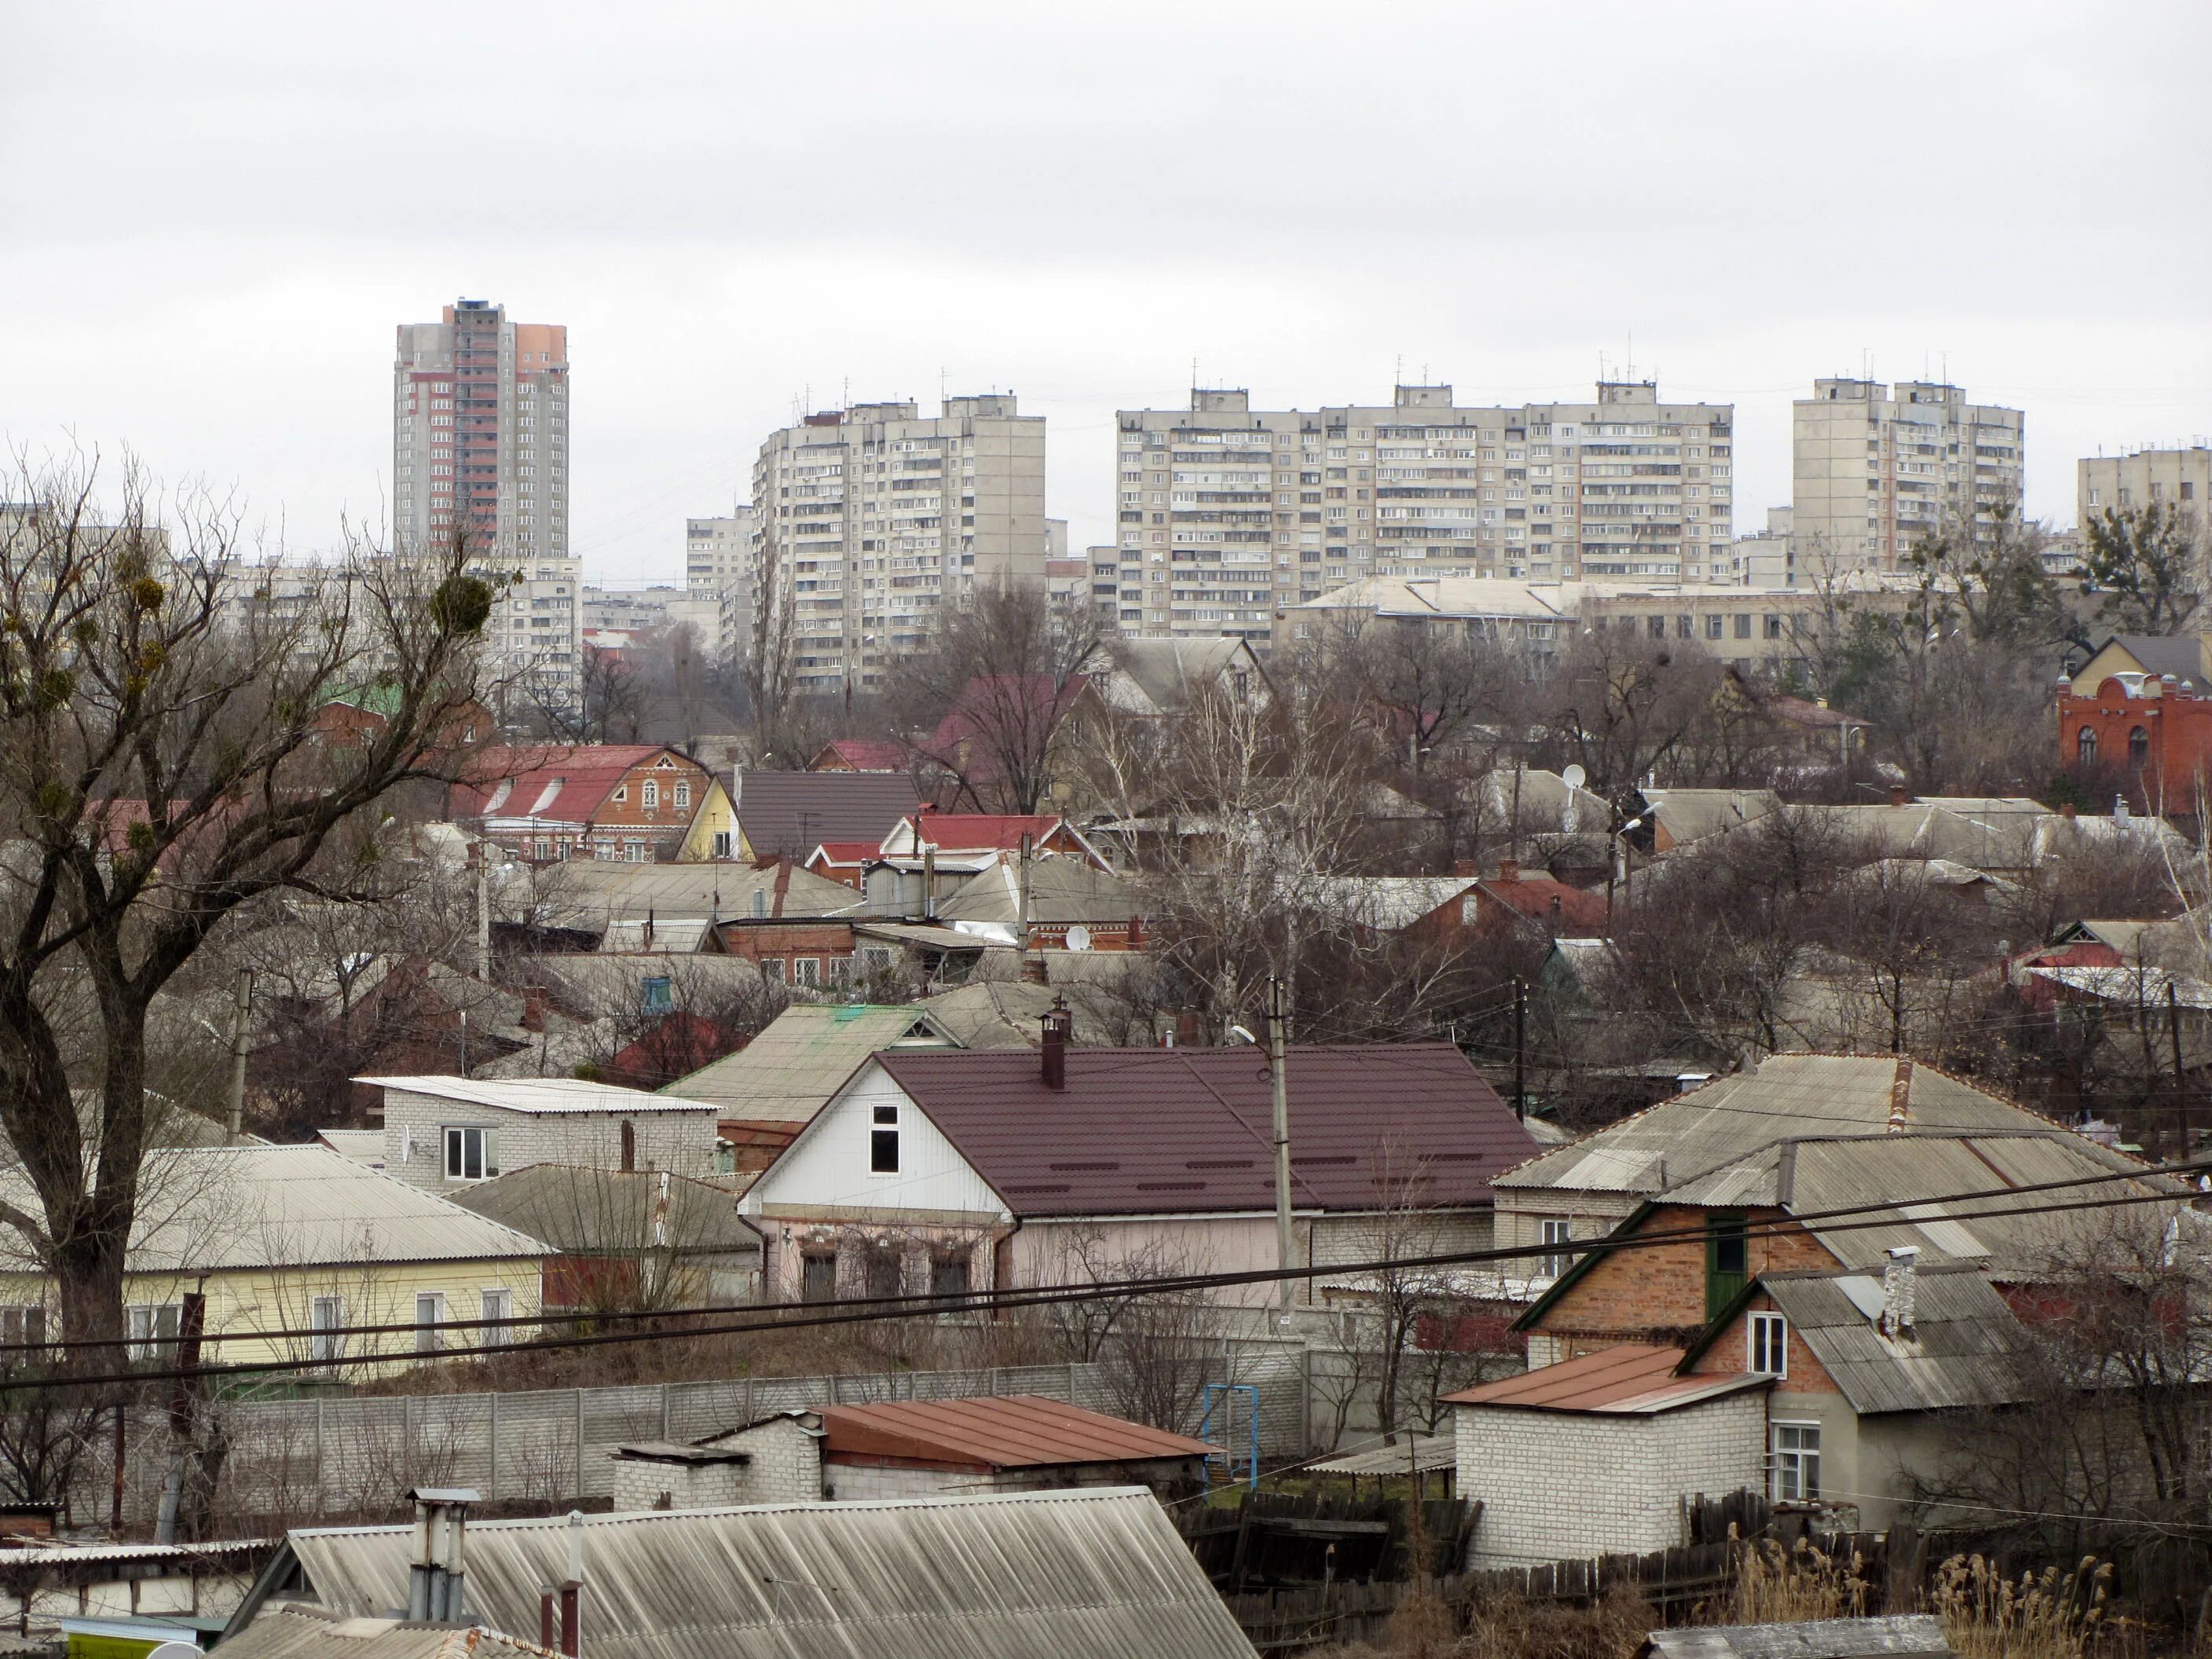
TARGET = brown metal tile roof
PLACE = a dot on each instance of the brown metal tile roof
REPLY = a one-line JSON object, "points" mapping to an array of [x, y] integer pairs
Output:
{"points": [[1630, 1379], [1155, 1131], [1005, 1432]]}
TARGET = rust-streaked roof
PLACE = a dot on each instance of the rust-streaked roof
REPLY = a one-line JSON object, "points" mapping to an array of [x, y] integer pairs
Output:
{"points": [[1173, 1131], [1004, 1431], [1629, 1380]]}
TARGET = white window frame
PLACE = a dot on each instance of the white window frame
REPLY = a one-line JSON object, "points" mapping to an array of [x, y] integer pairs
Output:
{"points": [[427, 1339], [150, 1322], [453, 1140], [325, 1342], [1771, 1332], [1787, 1465], [494, 1302], [884, 1120], [1559, 1230]]}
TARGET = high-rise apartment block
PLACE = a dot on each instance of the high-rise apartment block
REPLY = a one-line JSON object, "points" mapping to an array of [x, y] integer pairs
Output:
{"points": [[1227, 514], [1878, 469], [870, 518], [2177, 477], [718, 554], [480, 448]]}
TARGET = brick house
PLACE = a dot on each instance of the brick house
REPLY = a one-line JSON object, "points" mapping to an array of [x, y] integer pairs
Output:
{"points": [[2153, 736], [640, 802], [1512, 902], [941, 1171]]}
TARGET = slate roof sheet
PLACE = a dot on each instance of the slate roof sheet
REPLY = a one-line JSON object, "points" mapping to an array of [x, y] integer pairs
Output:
{"points": [[539, 1096], [1096, 1574], [804, 1057], [1962, 1350], [1149, 1131]]}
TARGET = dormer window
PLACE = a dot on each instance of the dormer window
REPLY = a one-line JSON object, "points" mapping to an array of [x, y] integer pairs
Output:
{"points": [[1767, 1343]]}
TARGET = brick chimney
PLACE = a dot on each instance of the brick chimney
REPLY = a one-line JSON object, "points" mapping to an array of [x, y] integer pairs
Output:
{"points": [[1053, 1053], [1900, 795], [1900, 1096], [1508, 869], [1898, 1280], [1466, 867]]}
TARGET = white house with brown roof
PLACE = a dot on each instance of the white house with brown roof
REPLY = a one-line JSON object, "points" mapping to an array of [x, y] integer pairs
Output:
{"points": [[947, 1170]]}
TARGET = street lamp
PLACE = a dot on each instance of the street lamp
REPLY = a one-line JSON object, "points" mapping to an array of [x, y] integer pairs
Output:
{"points": [[1618, 865]]}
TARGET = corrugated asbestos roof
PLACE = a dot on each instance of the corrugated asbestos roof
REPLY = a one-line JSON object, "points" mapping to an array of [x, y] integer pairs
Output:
{"points": [[789, 814], [613, 1212], [1004, 1431], [1421, 1452], [2009, 1236], [1628, 1380], [1099, 1574], [1061, 890], [291, 1630], [540, 1094], [215, 1208], [1812, 1638], [1961, 1352], [1786, 1096], [591, 894], [804, 1057], [1151, 1131]]}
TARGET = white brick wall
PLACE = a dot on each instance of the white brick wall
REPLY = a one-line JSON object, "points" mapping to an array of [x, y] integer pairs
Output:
{"points": [[856, 1483], [640, 1483], [787, 1466], [683, 1142], [1562, 1485]]}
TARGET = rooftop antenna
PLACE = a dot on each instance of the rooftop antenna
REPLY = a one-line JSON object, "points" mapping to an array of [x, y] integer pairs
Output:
{"points": [[848, 401]]}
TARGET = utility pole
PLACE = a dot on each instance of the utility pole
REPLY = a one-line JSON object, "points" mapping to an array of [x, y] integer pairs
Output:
{"points": [[1278, 1017], [1520, 1033], [479, 855], [240, 1034], [2180, 1088], [1022, 901]]}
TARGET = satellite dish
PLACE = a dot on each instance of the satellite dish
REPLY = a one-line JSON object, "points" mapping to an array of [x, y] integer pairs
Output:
{"points": [[175, 1650], [1079, 938], [1574, 777]]}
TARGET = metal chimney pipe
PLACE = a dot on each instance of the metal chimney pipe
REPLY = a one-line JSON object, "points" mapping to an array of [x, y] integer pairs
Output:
{"points": [[240, 1034]]}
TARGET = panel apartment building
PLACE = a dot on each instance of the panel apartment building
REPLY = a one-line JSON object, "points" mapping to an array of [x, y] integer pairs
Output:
{"points": [[870, 518], [1876, 469], [2177, 477], [1228, 515], [480, 446]]}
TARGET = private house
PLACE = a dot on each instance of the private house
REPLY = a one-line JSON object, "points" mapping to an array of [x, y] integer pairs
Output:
{"points": [[927, 857], [1533, 907], [859, 754], [1070, 904], [2153, 736], [776, 1083], [1077, 1575], [1675, 817], [787, 815], [1583, 1190], [1155, 678], [938, 1170], [910, 1449], [586, 906], [1541, 821], [445, 1132], [627, 1239], [639, 803], [289, 1244], [2140, 660]]}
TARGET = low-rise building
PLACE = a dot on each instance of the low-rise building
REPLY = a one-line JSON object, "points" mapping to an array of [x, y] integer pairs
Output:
{"points": [[444, 1132], [640, 802]]}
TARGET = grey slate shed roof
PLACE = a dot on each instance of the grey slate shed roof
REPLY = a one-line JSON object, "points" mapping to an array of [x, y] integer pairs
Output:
{"points": [[296, 1631], [580, 1208], [1061, 890], [1812, 1638], [1786, 1096], [803, 1056], [1096, 1574], [1962, 1352]]}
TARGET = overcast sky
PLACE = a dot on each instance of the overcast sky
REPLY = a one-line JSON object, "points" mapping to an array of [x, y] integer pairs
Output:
{"points": [[214, 214]]}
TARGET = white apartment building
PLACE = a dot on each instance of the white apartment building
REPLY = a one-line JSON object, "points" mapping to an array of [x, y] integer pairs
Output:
{"points": [[718, 554], [1876, 469], [534, 637], [2178, 477], [870, 518], [1228, 515]]}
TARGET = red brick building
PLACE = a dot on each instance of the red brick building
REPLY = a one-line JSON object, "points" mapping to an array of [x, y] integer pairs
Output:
{"points": [[635, 802], [2158, 746]]}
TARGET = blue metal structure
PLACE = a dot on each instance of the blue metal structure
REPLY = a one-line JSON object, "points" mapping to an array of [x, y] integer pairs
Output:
{"points": [[1223, 1395]]}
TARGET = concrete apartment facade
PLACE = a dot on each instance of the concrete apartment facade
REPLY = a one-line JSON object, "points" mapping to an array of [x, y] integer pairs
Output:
{"points": [[870, 518], [2177, 477], [1228, 515], [480, 447], [1876, 468], [718, 556]]}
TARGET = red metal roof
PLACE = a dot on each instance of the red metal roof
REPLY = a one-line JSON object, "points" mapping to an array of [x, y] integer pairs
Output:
{"points": [[1005, 1432], [1157, 1131], [860, 754], [977, 832], [563, 783], [1630, 1379], [844, 851]]}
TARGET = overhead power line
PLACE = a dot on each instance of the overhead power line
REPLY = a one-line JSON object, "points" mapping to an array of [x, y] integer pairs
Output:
{"points": [[871, 1309]]}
